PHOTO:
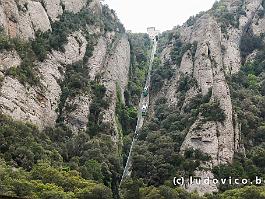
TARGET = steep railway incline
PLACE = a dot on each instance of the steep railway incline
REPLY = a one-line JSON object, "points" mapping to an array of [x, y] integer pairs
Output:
{"points": [[140, 121]]}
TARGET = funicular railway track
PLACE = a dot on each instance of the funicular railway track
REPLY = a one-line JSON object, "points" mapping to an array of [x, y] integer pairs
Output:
{"points": [[144, 102]]}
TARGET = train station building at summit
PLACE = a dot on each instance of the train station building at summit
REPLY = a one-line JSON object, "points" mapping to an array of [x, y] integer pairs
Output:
{"points": [[152, 32]]}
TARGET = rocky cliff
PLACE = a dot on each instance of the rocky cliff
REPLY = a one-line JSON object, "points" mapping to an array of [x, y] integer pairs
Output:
{"points": [[207, 48], [62, 64], [38, 104]]}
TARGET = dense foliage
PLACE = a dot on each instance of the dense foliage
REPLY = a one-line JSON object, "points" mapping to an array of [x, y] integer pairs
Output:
{"points": [[99, 103], [157, 157], [44, 181], [140, 46], [26, 148], [249, 42], [191, 21], [127, 115], [225, 17], [160, 74], [111, 25]]}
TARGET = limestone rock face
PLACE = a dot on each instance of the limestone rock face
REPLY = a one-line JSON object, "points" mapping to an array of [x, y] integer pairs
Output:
{"points": [[74, 5], [186, 65], [97, 61], [115, 76], [213, 138], [3, 20], [231, 52], [75, 49], [26, 104], [77, 119], [25, 26], [23, 18], [33, 104], [118, 64], [111, 68], [8, 60], [38, 104], [217, 55], [38, 16], [54, 9], [96, 7], [10, 17]]}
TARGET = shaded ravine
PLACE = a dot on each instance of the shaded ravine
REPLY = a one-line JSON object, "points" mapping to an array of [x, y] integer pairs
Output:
{"points": [[140, 120]]}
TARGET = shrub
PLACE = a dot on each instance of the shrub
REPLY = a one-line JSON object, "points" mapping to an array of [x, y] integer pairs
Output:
{"points": [[186, 82], [212, 112], [111, 25], [140, 46], [127, 116], [98, 104], [248, 44], [191, 21], [160, 74], [41, 46], [226, 18]]}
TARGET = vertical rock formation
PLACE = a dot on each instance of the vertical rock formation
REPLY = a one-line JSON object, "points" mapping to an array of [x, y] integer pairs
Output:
{"points": [[39, 103], [217, 56], [115, 77]]}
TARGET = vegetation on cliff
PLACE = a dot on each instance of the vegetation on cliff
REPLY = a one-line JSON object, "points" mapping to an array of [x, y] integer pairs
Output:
{"points": [[58, 163], [248, 96], [56, 160]]}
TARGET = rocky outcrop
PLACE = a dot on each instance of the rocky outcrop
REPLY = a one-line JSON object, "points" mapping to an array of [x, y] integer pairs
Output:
{"points": [[186, 66], [38, 104], [38, 16], [213, 138], [96, 7], [74, 5], [75, 49], [217, 55], [10, 17], [9, 59], [53, 8], [97, 61], [23, 18], [109, 64], [25, 26], [115, 76], [33, 104], [117, 66], [77, 120], [3, 20]]}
